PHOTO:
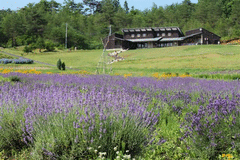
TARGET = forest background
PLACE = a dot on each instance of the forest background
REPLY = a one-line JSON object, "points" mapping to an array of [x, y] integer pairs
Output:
{"points": [[44, 23]]}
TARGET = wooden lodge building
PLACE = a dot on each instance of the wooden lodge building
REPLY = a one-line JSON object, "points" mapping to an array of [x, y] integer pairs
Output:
{"points": [[159, 37]]}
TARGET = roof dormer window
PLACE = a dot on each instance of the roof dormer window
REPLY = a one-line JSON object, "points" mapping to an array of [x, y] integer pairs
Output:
{"points": [[132, 35]]}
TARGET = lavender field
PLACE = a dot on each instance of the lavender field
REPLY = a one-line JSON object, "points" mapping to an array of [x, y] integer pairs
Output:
{"points": [[112, 117]]}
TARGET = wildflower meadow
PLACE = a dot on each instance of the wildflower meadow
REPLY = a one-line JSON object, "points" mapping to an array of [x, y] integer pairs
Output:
{"points": [[74, 116]]}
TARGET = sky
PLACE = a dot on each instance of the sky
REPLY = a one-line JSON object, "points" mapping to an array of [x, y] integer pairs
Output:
{"points": [[138, 4]]}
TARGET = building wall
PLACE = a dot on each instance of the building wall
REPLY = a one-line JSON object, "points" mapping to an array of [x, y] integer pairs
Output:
{"points": [[129, 45], [192, 40], [173, 34], [114, 42], [149, 34], [210, 38]]}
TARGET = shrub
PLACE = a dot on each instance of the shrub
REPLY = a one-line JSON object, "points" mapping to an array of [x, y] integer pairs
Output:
{"points": [[11, 130], [16, 61], [61, 47], [77, 138], [211, 126], [63, 66], [59, 64], [49, 45], [40, 44], [15, 79], [27, 49]]}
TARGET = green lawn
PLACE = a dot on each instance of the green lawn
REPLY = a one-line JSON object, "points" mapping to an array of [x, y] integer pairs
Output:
{"points": [[192, 59]]}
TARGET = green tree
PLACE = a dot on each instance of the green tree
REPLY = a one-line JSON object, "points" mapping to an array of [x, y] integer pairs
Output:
{"points": [[126, 7], [12, 26], [63, 66], [235, 18], [59, 64], [40, 44]]}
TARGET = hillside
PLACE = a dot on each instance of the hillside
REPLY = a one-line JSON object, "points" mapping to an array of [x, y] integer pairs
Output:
{"points": [[192, 59]]}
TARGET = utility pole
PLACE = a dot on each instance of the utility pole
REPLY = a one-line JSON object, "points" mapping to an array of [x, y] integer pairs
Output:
{"points": [[110, 31], [66, 38]]}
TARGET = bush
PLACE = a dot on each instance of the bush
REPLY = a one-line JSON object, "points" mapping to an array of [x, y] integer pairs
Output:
{"points": [[59, 64], [40, 44], [11, 130], [15, 79], [16, 61], [63, 66], [80, 139], [27, 49], [61, 47], [49, 45]]}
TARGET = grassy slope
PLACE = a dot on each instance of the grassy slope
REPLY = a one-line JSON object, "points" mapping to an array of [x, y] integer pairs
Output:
{"points": [[193, 59]]}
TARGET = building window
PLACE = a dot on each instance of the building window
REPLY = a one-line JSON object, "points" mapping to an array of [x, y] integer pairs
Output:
{"points": [[169, 44], [158, 34], [146, 45], [138, 35], [139, 45], [132, 35], [144, 35], [169, 34], [163, 34]]}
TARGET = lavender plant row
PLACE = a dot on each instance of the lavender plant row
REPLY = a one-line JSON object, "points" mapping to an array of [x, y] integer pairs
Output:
{"points": [[98, 102]]}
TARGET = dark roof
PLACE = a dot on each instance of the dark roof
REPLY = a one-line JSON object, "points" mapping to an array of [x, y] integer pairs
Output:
{"points": [[201, 31], [152, 29], [194, 34]]}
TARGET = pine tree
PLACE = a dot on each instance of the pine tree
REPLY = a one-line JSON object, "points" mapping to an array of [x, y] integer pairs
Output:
{"points": [[59, 64], [126, 7], [63, 66]]}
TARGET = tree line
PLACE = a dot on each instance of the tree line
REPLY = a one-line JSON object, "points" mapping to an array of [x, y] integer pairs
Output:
{"points": [[88, 22]]}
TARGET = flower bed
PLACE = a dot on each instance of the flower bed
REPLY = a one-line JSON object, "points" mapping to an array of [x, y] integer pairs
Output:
{"points": [[71, 116], [16, 61]]}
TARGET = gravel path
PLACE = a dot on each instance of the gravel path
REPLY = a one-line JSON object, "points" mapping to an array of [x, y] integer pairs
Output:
{"points": [[47, 64]]}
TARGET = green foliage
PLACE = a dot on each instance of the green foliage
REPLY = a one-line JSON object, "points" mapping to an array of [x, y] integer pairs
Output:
{"points": [[62, 142], [3, 79], [63, 66], [27, 49], [87, 23], [50, 46], [219, 76], [61, 47], [41, 44], [15, 79], [5, 56], [59, 64], [11, 130]]}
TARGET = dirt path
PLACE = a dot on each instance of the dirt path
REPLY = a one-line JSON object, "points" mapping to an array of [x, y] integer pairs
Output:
{"points": [[47, 64]]}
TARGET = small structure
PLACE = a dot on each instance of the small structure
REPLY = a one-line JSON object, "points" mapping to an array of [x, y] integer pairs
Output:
{"points": [[159, 37]]}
